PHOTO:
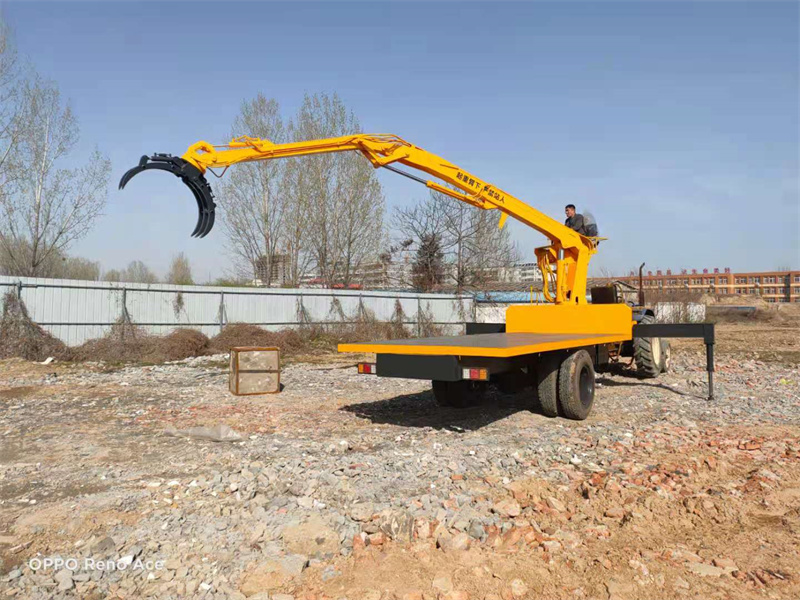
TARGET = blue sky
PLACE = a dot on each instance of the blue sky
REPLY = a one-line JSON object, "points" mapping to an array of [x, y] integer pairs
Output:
{"points": [[675, 124]]}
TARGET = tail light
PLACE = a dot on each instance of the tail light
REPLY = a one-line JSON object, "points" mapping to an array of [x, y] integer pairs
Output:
{"points": [[477, 374], [367, 368]]}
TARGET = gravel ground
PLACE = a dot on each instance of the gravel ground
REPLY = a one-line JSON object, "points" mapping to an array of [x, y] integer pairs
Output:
{"points": [[349, 486]]}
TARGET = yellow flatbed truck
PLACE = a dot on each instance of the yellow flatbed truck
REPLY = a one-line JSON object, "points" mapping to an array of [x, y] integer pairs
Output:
{"points": [[552, 349], [531, 354]]}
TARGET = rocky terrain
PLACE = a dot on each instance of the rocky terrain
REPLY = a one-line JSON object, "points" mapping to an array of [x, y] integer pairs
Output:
{"points": [[113, 484]]}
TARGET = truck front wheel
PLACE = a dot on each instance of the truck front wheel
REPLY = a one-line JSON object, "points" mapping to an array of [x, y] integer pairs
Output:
{"points": [[647, 353]]}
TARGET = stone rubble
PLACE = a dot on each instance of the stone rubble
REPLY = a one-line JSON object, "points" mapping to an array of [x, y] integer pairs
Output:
{"points": [[121, 463]]}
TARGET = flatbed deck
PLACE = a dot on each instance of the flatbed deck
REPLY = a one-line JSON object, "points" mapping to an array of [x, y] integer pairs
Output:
{"points": [[498, 345]]}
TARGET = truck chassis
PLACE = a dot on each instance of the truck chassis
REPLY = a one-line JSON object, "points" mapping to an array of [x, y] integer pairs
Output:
{"points": [[556, 371]]}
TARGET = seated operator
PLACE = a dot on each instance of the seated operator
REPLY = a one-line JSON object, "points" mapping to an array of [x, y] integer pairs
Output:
{"points": [[574, 220]]}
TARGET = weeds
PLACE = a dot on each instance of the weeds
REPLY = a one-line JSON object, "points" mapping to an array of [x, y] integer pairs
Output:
{"points": [[127, 342], [20, 336]]}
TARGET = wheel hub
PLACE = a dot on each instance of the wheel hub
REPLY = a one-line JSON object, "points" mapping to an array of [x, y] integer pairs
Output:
{"points": [[655, 344], [586, 386]]}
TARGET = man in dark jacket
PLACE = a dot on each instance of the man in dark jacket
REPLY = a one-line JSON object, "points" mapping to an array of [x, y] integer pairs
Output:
{"points": [[574, 220]]}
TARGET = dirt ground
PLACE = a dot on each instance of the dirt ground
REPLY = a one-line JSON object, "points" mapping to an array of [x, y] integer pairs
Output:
{"points": [[348, 486]]}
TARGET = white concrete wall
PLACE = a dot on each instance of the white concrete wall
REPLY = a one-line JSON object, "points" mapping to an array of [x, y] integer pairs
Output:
{"points": [[680, 312], [75, 311], [666, 312], [491, 313]]}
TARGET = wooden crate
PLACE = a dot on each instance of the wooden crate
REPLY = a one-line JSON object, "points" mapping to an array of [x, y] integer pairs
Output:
{"points": [[255, 371]]}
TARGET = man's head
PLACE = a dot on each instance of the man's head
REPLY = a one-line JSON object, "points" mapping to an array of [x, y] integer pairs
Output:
{"points": [[570, 210]]}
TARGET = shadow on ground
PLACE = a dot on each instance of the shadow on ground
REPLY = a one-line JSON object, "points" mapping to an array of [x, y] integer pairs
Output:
{"points": [[631, 379], [421, 410], [632, 382]]}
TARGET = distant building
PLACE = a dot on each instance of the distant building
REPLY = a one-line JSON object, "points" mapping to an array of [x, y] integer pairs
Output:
{"points": [[771, 286], [525, 273], [390, 272], [278, 274], [519, 273], [387, 273], [312, 280], [394, 272]]}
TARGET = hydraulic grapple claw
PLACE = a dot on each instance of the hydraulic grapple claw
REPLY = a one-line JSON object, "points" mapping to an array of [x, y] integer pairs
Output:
{"points": [[191, 176]]}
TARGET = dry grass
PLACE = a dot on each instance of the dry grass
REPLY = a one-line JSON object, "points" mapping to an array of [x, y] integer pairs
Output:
{"points": [[776, 314], [21, 337], [127, 343], [244, 334], [307, 339]]}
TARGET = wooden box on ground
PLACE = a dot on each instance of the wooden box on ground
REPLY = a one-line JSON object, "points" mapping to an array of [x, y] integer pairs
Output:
{"points": [[255, 371]]}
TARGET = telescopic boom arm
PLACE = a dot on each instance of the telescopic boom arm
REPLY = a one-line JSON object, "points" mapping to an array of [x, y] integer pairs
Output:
{"points": [[565, 260]]}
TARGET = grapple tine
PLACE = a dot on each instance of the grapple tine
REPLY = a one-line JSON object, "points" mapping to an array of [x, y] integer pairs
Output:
{"points": [[191, 176], [134, 171], [205, 217], [203, 227], [199, 225], [199, 199], [209, 224]]}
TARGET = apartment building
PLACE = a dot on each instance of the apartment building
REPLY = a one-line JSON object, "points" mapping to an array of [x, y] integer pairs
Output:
{"points": [[771, 286]]}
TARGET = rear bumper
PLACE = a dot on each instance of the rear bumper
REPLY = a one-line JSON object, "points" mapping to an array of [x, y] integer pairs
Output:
{"points": [[434, 368], [443, 368]]}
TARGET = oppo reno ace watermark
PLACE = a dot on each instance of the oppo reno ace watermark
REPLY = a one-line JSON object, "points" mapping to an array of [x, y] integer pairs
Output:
{"points": [[126, 563]]}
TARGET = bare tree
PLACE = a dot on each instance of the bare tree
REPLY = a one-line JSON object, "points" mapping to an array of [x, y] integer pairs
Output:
{"points": [[58, 265], [298, 219], [479, 246], [342, 199], [9, 108], [359, 229], [76, 267], [427, 270], [113, 275], [135, 272], [255, 207], [180, 271], [474, 247], [50, 206], [138, 272], [607, 274]]}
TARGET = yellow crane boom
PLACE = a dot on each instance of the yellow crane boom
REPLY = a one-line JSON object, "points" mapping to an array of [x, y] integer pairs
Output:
{"points": [[564, 263]]}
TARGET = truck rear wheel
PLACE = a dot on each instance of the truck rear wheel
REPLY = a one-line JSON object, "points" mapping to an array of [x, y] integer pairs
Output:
{"points": [[576, 386], [647, 352], [547, 383], [459, 394]]}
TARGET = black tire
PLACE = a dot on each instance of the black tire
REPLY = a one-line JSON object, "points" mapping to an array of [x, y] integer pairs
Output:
{"points": [[459, 394], [647, 352], [576, 386], [547, 383]]}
